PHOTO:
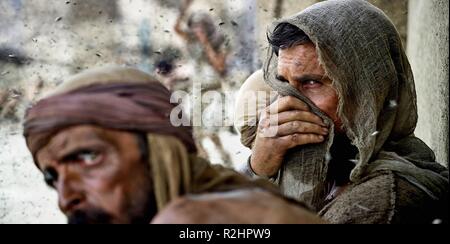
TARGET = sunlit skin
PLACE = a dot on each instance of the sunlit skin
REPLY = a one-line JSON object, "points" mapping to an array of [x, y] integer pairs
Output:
{"points": [[100, 170], [288, 122], [97, 170], [261, 207]]}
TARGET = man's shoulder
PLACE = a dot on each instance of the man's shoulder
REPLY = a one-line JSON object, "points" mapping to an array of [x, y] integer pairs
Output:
{"points": [[414, 205], [208, 208], [370, 200], [383, 197], [246, 206]]}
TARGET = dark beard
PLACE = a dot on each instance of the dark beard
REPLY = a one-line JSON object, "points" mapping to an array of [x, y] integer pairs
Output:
{"points": [[98, 216], [146, 214], [95, 216]]}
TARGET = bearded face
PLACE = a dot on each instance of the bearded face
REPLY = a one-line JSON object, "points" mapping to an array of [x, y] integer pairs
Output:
{"points": [[100, 175]]}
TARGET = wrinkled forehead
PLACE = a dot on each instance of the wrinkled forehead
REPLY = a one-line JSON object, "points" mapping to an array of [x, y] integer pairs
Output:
{"points": [[302, 57], [77, 137]]}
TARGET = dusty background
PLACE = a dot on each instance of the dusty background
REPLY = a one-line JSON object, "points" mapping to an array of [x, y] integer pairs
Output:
{"points": [[42, 41]]}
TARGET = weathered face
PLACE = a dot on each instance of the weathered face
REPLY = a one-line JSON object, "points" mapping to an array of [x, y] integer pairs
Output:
{"points": [[299, 65], [99, 174]]}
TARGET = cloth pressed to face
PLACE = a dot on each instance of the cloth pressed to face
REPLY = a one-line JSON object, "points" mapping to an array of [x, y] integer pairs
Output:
{"points": [[361, 51]]}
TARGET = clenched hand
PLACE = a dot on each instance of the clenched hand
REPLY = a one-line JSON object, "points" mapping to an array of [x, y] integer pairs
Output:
{"points": [[285, 124]]}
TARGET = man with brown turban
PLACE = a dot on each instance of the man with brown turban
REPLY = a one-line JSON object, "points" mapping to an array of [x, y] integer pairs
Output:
{"points": [[339, 132], [104, 141]]}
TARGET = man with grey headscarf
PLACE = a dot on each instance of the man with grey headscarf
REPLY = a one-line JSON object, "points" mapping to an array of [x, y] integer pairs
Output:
{"points": [[339, 134]]}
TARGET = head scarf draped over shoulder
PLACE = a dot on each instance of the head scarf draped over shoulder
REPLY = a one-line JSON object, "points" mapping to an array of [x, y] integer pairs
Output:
{"points": [[361, 51], [127, 99]]}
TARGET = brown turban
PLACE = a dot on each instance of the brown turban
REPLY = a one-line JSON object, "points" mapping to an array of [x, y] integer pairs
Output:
{"points": [[130, 100], [131, 107]]}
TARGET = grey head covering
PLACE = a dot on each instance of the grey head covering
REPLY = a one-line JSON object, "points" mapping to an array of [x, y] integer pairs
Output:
{"points": [[361, 51]]}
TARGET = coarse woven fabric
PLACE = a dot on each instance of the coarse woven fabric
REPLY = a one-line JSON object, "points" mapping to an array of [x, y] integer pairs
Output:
{"points": [[361, 51], [126, 99]]}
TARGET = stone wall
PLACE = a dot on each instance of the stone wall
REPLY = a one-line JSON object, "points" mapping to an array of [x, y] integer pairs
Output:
{"points": [[428, 54]]}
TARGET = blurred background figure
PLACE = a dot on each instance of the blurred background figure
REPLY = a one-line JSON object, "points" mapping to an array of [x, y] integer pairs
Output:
{"points": [[217, 44], [203, 37], [171, 71]]}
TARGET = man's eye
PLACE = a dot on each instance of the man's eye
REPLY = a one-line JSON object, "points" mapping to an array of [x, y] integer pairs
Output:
{"points": [[50, 177], [311, 84], [88, 157]]}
